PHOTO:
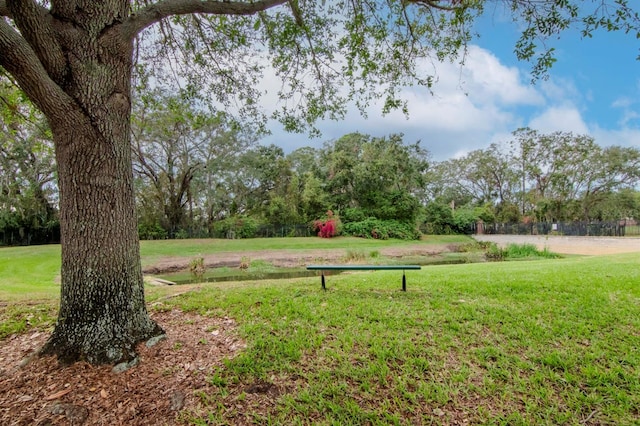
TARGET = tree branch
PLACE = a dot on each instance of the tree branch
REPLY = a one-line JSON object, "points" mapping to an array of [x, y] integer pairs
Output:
{"points": [[19, 59], [34, 23], [437, 4], [165, 8]]}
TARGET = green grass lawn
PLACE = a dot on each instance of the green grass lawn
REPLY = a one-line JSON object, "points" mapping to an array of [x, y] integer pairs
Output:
{"points": [[516, 343], [29, 273], [541, 342]]}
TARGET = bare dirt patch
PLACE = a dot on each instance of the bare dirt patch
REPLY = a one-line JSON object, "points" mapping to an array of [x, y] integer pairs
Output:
{"points": [[287, 258], [569, 245]]}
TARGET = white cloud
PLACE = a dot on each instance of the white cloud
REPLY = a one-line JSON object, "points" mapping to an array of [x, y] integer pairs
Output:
{"points": [[470, 104], [475, 105], [561, 90], [622, 102], [628, 117], [488, 80], [622, 137], [628, 113], [453, 112], [559, 118]]}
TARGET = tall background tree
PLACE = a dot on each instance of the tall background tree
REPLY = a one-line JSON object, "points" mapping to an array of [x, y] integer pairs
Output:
{"points": [[74, 60], [563, 176], [550, 177], [185, 161], [28, 194], [375, 177]]}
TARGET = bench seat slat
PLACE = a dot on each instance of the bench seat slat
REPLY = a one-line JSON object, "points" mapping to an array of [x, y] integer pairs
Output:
{"points": [[361, 267]]}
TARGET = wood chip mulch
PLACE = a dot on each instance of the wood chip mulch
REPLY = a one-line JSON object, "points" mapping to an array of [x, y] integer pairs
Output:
{"points": [[154, 392]]}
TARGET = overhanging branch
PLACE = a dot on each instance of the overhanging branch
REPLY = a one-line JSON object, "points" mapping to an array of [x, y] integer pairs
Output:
{"points": [[34, 23], [440, 4], [18, 58], [155, 12]]}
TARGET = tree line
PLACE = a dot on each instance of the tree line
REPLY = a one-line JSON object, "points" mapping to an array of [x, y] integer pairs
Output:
{"points": [[203, 175]]}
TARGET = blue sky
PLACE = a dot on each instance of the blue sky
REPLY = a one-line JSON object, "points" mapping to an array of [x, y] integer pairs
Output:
{"points": [[593, 88]]}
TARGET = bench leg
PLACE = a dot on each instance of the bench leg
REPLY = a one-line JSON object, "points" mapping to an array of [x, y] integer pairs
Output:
{"points": [[322, 280], [404, 282]]}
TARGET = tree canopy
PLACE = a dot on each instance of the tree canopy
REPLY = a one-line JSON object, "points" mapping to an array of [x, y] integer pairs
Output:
{"points": [[223, 52]]}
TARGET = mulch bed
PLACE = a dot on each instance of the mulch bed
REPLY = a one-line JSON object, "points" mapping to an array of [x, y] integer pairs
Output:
{"points": [[38, 391]]}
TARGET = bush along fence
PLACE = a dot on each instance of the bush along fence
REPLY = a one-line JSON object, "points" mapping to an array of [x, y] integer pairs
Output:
{"points": [[594, 229], [27, 237], [267, 231]]}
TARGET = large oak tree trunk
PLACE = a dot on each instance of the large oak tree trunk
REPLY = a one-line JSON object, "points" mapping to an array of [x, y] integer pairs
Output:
{"points": [[73, 59], [102, 309]]}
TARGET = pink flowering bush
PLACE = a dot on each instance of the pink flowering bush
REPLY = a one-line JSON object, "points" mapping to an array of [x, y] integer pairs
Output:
{"points": [[327, 227]]}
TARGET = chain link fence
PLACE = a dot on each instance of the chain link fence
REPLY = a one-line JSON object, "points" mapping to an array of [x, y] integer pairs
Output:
{"points": [[267, 231], [583, 229]]}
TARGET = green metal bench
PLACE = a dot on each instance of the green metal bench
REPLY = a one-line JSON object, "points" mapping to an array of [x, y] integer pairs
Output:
{"points": [[324, 268]]}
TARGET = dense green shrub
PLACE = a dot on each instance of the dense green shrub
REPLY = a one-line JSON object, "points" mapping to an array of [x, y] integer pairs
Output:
{"points": [[151, 231], [26, 228], [507, 213], [519, 251], [441, 219], [381, 229], [181, 234], [395, 205], [463, 219], [235, 227], [438, 219], [353, 215], [494, 253]]}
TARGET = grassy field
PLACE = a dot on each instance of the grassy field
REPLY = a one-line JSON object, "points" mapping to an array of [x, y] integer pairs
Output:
{"points": [[516, 343], [545, 342], [31, 273]]}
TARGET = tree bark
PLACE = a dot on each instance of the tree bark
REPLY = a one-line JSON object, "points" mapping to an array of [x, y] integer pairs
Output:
{"points": [[102, 313], [102, 309]]}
